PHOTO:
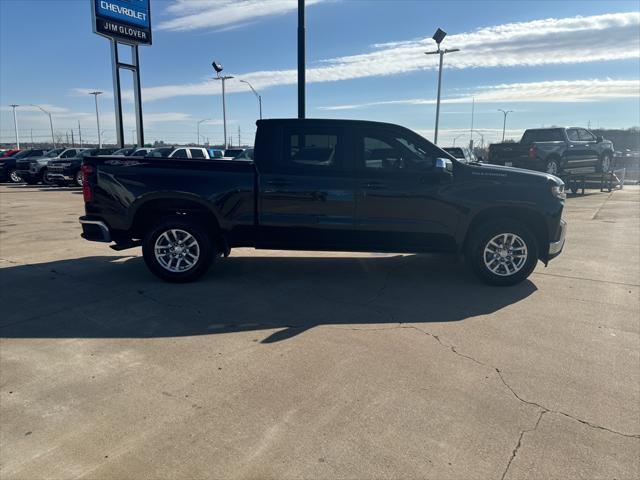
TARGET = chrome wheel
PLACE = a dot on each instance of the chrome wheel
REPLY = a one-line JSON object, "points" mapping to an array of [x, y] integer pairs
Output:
{"points": [[15, 178], [79, 178], [177, 250], [505, 254], [606, 164], [552, 167]]}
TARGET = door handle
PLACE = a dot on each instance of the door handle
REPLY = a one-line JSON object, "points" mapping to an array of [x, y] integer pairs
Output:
{"points": [[279, 183]]}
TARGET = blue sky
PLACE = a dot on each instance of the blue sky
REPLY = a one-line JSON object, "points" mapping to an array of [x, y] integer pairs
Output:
{"points": [[552, 62]]}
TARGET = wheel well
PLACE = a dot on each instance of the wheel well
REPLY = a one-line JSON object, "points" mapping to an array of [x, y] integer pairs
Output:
{"points": [[152, 211], [533, 220]]}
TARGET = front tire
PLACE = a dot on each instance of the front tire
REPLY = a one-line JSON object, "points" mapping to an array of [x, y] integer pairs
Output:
{"points": [[605, 163], [78, 178], [178, 250], [45, 178], [502, 252]]}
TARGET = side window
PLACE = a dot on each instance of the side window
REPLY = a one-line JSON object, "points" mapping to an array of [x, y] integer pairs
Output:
{"points": [[572, 134], [586, 136], [312, 149], [196, 153], [396, 151], [180, 153], [68, 154]]}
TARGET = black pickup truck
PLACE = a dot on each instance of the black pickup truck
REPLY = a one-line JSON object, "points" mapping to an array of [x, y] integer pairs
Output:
{"points": [[337, 185], [555, 150]]}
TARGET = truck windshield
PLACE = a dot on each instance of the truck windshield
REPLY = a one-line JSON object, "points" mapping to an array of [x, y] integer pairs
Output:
{"points": [[543, 135]]}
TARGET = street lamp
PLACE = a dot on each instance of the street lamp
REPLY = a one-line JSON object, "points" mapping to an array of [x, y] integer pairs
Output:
{"points": [[218, 68], [457, 137], [201, 121], [258, 96], [504, 123], [15, 124], [53, 140], [95, 96], [438, 37]]}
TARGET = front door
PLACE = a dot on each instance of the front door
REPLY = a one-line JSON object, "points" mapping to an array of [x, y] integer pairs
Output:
{"points": [[307, 190], [577, 156], [401, 202]]}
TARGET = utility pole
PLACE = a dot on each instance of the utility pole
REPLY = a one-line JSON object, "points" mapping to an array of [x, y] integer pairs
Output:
{"points": [[239, 139], [258, 96], [301, 61], [438, 37], [95, 96], [32, 138], [80, 133], [218, 68], [15, 125], [73, 140], [504, 122]]}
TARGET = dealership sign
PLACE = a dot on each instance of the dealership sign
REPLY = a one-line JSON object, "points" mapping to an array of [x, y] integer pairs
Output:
{"points": [[126, 21]]}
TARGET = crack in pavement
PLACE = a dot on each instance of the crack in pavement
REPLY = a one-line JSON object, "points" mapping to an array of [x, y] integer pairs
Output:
{"points": [[519, 444], [453, 349]]}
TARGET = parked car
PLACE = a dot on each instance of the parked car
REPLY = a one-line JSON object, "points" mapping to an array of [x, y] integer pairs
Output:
{"points": [[215, 153], [327, 185], [231, 153], [23, 167], [555, 150], [124, 152], [190, 152], [162, 152], [461, 153], [8, 169], [142, 152], [66, 171], [9, 153]]}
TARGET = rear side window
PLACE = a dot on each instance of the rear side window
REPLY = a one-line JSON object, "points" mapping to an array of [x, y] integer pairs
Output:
{"points": [[543, 135], [197, 153], [181, 153], [311, 149]]}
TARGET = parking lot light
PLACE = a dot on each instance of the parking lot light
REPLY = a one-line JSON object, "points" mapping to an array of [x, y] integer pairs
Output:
{"points": [[218, 68], [53, 140], [504, 123], [438, 37], [15, 124], [258, 96]]}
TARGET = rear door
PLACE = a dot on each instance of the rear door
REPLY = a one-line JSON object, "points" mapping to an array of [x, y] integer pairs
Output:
{"points": [[400, 204], [306, 188], [590, 146]]}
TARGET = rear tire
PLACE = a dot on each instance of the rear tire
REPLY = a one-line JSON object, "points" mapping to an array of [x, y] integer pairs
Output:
{"points": [[502, 252], [45, 178], [14, 177], [552, 166], [78, 179], [178, 250]]}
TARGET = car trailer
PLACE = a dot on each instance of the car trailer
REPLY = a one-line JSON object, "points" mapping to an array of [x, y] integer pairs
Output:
{"points": [[607, 181]]}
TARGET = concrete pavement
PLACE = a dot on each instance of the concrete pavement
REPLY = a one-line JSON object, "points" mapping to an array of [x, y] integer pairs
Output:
{"points": [[316, 365]]}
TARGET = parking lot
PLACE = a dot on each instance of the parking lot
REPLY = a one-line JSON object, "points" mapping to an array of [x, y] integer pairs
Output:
{"points": [[317, 365]]}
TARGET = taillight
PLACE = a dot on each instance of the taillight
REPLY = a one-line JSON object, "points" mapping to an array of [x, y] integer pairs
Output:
{"points": [[87, 193], [532, 152]]}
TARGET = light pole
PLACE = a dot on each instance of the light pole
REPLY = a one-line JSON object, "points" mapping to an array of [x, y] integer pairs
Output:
{"points": [[218, 68], [438, 37], [15, 125], [504, 122], [457, 137], [258, 96], [201, 121], [53, 140], [95, 96]]}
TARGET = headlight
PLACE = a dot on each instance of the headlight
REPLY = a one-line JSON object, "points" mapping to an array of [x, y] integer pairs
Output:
{"points": [[558, 191]]}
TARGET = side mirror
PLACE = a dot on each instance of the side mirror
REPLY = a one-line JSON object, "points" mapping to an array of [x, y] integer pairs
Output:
{"points": [[443, 166], [599, 139]]}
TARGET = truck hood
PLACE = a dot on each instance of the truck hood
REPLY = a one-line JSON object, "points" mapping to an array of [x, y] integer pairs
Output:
{"points": [[498, 172]]}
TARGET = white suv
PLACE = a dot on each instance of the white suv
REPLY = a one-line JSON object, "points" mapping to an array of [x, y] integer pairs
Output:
{"points": [[190, 152]]}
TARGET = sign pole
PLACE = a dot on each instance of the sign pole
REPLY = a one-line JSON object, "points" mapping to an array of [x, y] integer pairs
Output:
{"points": [[117, 95], [137, 95]]}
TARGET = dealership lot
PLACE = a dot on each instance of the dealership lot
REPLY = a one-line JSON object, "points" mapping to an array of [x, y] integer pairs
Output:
{"points": [[316, 365]]}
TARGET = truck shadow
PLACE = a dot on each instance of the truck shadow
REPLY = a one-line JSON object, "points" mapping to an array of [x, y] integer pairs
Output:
{"points": [[116, 297]]}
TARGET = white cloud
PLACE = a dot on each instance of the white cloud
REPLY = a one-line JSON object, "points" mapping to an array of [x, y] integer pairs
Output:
{"points": [[53, 109], [551, 41], [552, 91], [228, 14]]}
